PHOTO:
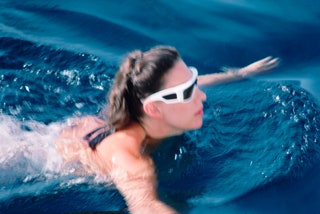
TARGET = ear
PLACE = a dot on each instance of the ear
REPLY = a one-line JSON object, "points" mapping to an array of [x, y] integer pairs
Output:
{"points": [[152, 110]]}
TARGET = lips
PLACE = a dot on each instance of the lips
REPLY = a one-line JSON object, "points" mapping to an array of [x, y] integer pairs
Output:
{"points": [[199, 113]]}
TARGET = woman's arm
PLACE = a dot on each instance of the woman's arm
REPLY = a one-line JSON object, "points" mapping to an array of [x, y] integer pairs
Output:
{"points": [[136, 180], [236, 74]]}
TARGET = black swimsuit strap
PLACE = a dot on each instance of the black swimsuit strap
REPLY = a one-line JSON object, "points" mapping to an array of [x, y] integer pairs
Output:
{"points": [[87, 136], [97, 139]]}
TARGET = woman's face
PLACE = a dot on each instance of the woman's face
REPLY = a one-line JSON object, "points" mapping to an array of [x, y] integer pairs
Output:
{"points": [[182, 116]]}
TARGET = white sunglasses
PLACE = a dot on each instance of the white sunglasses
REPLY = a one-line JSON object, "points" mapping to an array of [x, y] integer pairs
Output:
{"points": [[182, 93]]}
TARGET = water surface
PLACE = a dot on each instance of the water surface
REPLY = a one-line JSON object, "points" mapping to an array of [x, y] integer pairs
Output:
{"points": [[258, 151]]}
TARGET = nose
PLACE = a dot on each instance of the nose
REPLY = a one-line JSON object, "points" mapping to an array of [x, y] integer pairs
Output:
{"points": [[201, 95]]}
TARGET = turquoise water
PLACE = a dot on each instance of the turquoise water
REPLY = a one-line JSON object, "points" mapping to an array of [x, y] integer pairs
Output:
{"points": [[258, 151]]}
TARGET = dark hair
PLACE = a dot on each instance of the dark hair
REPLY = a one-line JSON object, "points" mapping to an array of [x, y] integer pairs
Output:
{"points": [[140, 75]]}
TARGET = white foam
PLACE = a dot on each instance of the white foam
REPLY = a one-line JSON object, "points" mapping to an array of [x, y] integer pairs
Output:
{"points": [[29, 141], [29, 161]]}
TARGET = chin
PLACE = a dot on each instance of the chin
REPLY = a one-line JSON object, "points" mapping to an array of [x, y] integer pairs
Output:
{"points": [[199, 123], [196, 126]]}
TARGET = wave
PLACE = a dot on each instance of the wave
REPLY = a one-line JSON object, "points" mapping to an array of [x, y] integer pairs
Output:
{"points": [[58, 61], [274, 136], [72, 30], [38, 79], [266, 134]]}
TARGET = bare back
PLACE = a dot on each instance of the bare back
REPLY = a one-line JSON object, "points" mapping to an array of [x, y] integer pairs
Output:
{"points": [[120, 158]]}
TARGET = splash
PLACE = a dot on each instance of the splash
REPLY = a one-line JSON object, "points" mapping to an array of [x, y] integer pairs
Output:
{"points": [[30, 163]]}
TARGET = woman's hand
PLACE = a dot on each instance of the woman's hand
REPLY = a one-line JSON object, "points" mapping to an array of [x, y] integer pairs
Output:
{"points": [[258, 67]]}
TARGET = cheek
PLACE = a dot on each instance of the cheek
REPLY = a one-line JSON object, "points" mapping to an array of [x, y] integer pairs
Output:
{"points": [[179, 114]]}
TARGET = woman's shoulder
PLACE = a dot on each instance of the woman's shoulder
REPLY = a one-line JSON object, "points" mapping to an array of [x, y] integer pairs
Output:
{"points": [[127, 139], [124, 144]]}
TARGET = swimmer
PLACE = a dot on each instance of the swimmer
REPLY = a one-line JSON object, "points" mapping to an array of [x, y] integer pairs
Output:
{"points": [[155, 95]]}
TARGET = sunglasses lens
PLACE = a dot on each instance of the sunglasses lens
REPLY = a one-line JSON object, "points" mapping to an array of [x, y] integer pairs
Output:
{"points": [[170, 96], [188, 92]]}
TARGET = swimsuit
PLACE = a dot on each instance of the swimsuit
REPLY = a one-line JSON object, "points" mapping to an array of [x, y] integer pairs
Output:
{"points": [[103, 132]]}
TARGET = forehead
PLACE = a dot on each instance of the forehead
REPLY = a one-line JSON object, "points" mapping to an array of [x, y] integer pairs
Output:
{"points": [[177, 75]]}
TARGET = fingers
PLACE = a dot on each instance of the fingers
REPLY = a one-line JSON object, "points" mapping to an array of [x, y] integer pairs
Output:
{"points": [[270, 63], [268, 60], [274, 62], [266, 63]]}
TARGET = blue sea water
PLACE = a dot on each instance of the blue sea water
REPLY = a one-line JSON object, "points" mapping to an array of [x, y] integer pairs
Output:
{"points": [[258, 151]]}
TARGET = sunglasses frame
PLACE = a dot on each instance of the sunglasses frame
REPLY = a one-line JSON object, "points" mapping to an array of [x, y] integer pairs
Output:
{"points": [[177, 90]]}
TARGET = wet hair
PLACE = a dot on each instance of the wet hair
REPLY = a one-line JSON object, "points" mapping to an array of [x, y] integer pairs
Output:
{"points": [[140, 75]]}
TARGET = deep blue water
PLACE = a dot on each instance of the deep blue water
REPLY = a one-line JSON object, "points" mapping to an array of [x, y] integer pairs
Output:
{"points": [[258, 151]]}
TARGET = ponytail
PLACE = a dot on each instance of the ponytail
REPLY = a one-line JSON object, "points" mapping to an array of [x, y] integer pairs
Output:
{"points": [[122, 98], [139, 75]]}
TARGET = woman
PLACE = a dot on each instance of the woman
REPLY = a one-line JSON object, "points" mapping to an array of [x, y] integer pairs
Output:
{"points": [[155, 95]]}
